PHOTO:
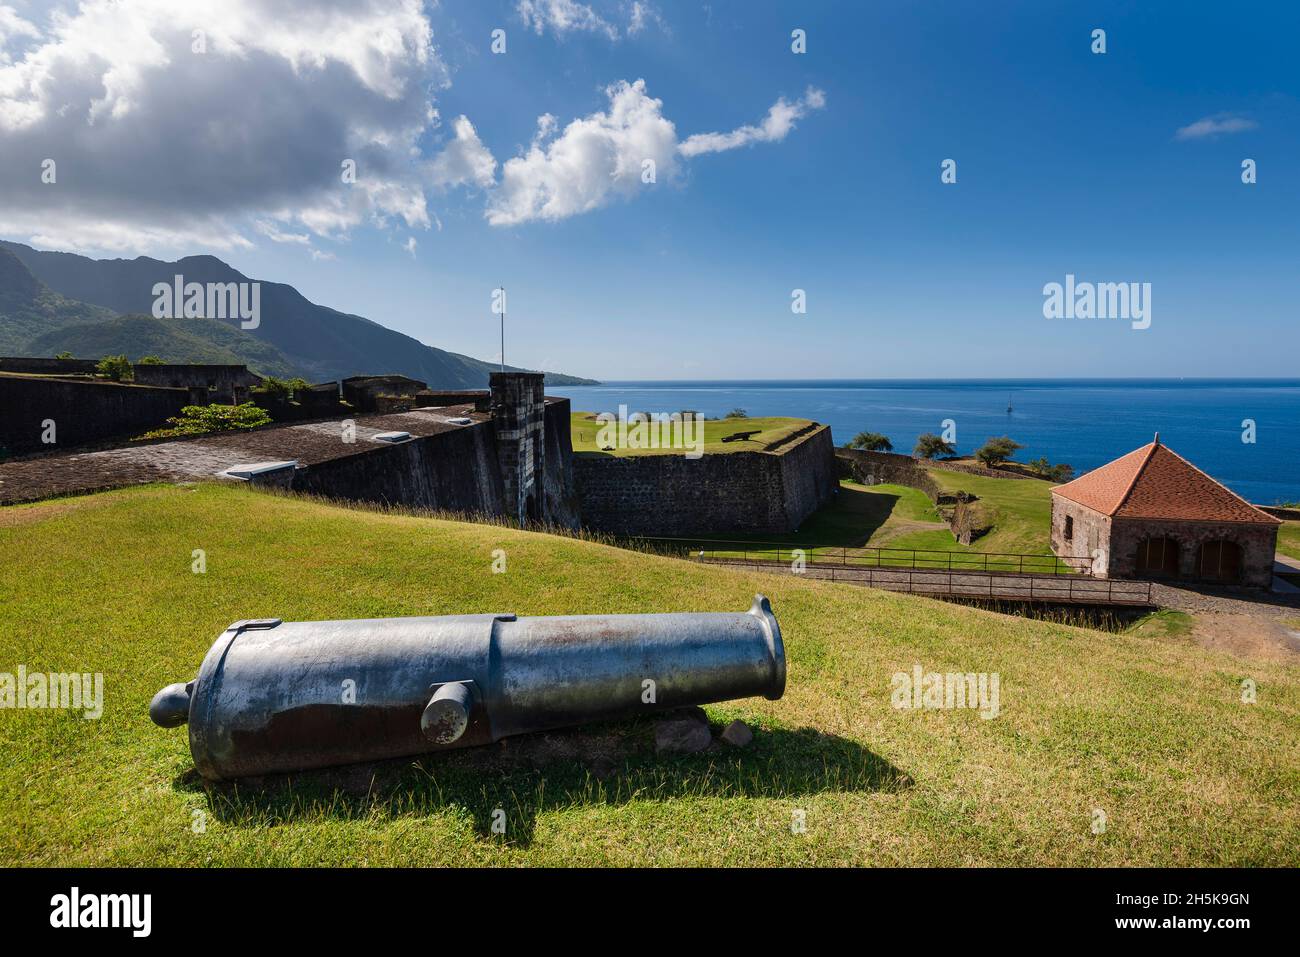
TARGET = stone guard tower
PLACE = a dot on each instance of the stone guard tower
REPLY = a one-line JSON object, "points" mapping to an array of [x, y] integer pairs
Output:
{"points": [[519, 415]]}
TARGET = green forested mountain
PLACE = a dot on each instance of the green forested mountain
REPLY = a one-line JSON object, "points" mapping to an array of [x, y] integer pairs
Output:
{"points": [[317, 342], [28, 308], [188, 340]]}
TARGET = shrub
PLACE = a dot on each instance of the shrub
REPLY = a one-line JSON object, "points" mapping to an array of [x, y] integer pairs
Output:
{"points": [[930, 445], [283, 389], [1061, 473], [116, 368], [996, 451], [149, 361], [63, 355], [202, 419], [737, 414], [871, 442]]}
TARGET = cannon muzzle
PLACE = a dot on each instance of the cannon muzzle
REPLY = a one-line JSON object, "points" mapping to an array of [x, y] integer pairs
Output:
{"points": [[274, 696]]}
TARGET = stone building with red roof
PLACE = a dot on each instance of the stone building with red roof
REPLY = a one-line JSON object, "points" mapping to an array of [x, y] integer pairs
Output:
{"points": [[1153, 514]]}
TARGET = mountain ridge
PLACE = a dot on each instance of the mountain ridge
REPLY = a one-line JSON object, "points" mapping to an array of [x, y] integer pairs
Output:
{"points": [[315, 341]]}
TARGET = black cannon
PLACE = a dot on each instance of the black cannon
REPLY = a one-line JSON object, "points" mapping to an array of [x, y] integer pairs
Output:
{"points": [[274, 696]]}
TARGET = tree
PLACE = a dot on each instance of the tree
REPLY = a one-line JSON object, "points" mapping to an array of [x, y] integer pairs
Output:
{"points": [[1041, 465], [285, 389], [1061, 473], [929, 446], [116, 368], [149, 361], [738, 414], [64, 355], [996, 451], [871, 442]]}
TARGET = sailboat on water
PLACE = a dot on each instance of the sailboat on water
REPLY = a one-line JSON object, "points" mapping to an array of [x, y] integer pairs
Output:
{"points": [[1009, 408]]}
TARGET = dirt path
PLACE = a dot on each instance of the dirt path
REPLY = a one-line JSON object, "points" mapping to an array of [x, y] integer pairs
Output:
{"points": [[1251, 625], [1247, 636]]}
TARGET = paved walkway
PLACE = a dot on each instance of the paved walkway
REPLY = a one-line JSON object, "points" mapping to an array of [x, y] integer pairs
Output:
{"points": [[206, 457]]}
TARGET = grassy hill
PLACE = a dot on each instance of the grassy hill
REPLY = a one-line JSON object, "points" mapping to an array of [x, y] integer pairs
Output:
{"points": [[1020, 511], [586, 429], [901, 517], [1146, 727]]}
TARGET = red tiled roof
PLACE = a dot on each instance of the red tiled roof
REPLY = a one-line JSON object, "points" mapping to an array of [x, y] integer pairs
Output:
{"points": [[1155, 482]]}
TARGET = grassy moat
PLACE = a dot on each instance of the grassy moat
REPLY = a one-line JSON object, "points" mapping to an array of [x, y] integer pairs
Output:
{"points": [[759, 433], [1144, 726]]}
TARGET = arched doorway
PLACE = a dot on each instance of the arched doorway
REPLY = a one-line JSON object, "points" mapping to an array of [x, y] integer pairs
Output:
{"points": [[1157, 557], [1219, 560]]}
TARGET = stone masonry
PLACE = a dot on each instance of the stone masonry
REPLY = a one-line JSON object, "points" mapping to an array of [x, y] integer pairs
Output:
{"points": [[519, 414]]}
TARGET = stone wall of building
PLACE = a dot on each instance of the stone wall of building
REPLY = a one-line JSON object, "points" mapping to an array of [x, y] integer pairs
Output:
{"points": [[228, 384], [670, 495], [313, 403], [1112, 543], [1258, 544], [1090, 535], [82, 410], [376, 393]]}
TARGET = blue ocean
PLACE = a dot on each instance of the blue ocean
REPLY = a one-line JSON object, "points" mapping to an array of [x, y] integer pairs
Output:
{"points": [[1083, 422]]}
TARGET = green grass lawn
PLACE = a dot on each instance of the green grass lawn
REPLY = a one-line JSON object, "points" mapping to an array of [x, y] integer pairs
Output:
{"points": [[1288, 539], [901, 517], [1147, 727], [585, 431]]}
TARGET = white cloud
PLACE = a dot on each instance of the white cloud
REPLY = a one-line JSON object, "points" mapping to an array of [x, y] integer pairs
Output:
{"points": [[596, 159], [410, 245], [641, 16], [12, 26], [273, 233], [160, 147], [563, 16], [465, 160], [164, 148], [1210, 127], [778, 123], [604, 156]]}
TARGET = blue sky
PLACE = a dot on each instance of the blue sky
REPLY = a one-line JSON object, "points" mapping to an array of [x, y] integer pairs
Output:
{"points": [[1067, 162]]}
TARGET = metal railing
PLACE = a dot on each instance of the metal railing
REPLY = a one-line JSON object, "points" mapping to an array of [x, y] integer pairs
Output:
{"points": [[987, 585], [866, 556], [1004, 576]]}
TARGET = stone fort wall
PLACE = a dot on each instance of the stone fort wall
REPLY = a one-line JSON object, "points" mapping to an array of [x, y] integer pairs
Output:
{"points": [[455, 471], [82, 410], [737, 492]]}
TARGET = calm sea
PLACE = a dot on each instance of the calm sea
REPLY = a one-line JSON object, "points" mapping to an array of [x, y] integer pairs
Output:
{"points": [[1085, 422]]}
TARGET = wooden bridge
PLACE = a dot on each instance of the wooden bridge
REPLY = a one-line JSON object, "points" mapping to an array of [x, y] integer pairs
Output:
{"points": [[989, 576]]}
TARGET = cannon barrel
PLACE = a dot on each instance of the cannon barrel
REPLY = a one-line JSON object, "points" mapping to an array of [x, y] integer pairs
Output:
{"points": [[274, 696]]}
